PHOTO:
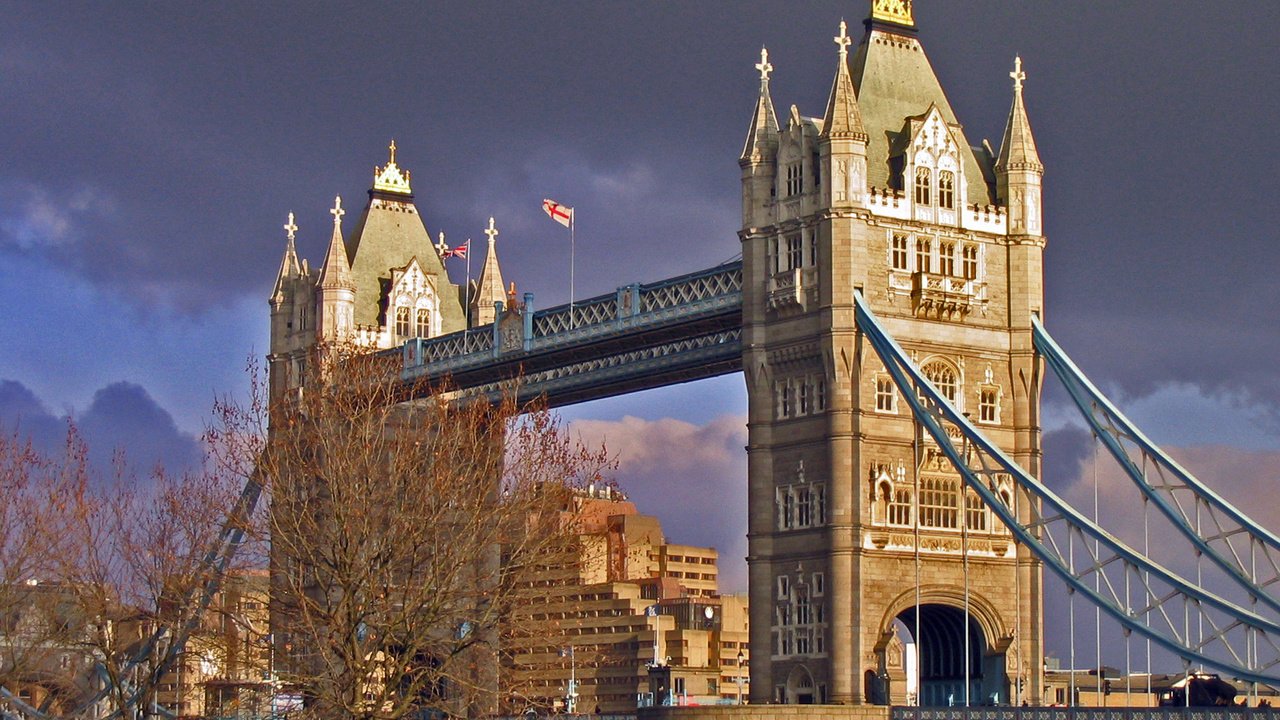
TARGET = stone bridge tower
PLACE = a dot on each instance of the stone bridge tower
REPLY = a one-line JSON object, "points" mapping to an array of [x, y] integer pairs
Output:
{"points": [[849, 511]]}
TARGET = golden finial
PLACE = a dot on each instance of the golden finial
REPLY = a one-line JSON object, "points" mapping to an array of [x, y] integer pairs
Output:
{"points": [[894, 11], [337, 212], [393, 151], [290, 228], [390, 178]]}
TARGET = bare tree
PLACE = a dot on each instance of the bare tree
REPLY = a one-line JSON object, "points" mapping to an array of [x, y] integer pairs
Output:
{"points": [[401, 520]]}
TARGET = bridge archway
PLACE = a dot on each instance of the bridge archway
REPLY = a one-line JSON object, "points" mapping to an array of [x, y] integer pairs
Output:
{"points": [[939, 651], [800, 689]]}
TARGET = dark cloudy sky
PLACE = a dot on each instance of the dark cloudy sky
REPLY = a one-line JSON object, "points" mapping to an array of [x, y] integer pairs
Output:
{"points": [[149, 153]]}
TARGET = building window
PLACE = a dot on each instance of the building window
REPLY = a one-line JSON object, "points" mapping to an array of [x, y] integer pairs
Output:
{"points": [[989, 405], [899, 258], [788, 511], [922, 185], [784, 587], [813, 252], [423, 328], [947, 259], [819, 584], [402, 321], [788, 402], [900, 507], [801, 506], [804, 507], [806, 400], [924, 250], [947, 189], [939, 503], [971, 262], [795, 179], [884, 394], [975, 512], [943, 378], [795, 252]]}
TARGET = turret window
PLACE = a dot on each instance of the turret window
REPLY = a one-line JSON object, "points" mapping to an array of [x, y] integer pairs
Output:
{"points": [[923, 185], [946, 190], [989, 405], [402, 321], [795, 252], [423, 325], [884, 394]]}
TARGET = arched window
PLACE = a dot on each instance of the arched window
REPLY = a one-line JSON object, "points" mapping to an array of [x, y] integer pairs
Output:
{"points": [[923, 185], [947, 189], [423, 325], [924, 249], [900, 507], [971, 262], [975, 512], [943, 378], [402, 321], [939, 503], [947, 259]]}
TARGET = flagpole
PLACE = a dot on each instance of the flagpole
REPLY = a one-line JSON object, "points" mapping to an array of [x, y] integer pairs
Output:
{"points": [[571, 253], [466, 311]]}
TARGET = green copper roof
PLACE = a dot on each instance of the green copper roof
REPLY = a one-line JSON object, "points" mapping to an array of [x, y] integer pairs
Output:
{"points": [[895, 81], [389, 234]]}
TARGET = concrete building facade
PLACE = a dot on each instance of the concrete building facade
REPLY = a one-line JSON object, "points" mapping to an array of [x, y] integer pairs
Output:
{"points": [[850, 510]]}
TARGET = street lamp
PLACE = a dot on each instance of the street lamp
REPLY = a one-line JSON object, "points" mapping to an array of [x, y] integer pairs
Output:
{"points": [[571, 698], [741, 658]]}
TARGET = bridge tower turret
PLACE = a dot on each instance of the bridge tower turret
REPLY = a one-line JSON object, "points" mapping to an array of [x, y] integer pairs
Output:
{"points": [[850, 510]]}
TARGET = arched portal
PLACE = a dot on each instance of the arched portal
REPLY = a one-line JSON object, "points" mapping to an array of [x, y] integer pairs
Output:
{"points": [[940, 657]]}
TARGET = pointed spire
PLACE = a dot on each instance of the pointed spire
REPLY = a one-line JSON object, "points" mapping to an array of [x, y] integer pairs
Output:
{"points": [[1018, 149], [762, 136], [489, 288], [289, 268], [336, 271], [843, 119]]}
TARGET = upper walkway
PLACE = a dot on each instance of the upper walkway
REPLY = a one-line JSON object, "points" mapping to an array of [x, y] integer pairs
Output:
{"points": [[641, 336]]}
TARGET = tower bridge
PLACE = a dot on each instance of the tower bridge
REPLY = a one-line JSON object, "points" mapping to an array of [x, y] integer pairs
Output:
{"points": [[886, 316]]}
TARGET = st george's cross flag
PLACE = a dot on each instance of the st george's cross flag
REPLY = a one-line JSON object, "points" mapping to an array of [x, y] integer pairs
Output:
{"points": [[558, 212]]}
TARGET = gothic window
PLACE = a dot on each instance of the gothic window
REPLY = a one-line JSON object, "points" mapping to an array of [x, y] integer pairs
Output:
{"points": [[899, 251], [923, 188], [939, 503], [795, 252], [884, 394], [820, 394], [819, 584], [813, 252], [788, 401], [804, 507], [423, 325], [784, 587], [924, 250], [820, 505], [804, 609], [788, 511], [801, 506], [975, 512], [947, 189], [900, 507], [971, 262], [947, 259], [806, 400], [943, 378], [795, 179], [402, 321], [775, 261], [989, 405]]}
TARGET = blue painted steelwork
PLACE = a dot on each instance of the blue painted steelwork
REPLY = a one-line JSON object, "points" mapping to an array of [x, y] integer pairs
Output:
{"points": [[1121, 437], [1161, 587], [1084, 713], [639, 337]]}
